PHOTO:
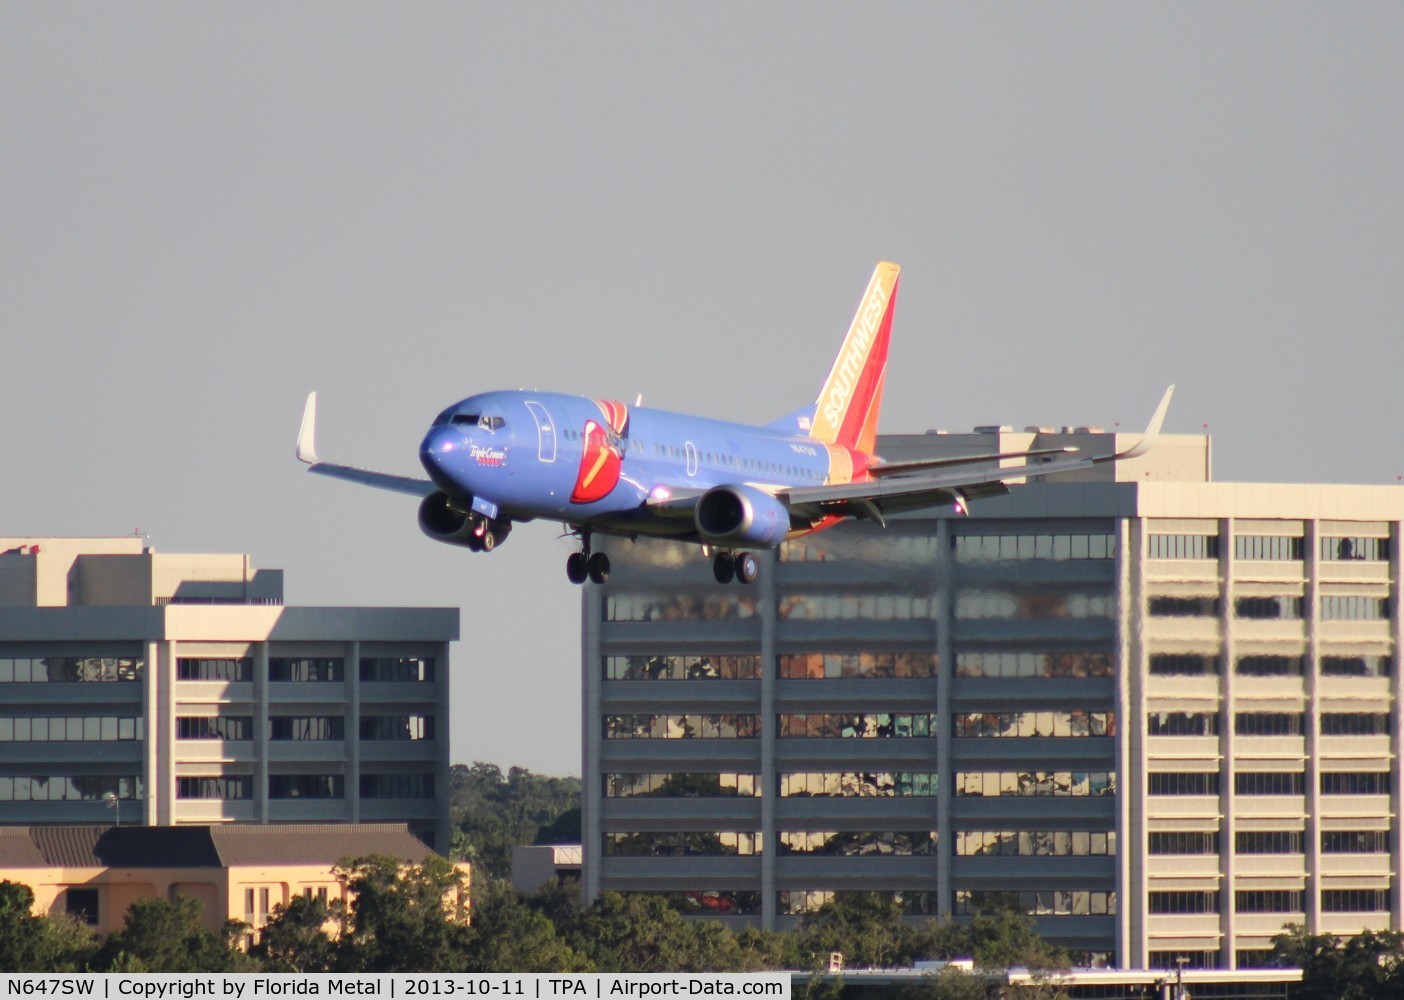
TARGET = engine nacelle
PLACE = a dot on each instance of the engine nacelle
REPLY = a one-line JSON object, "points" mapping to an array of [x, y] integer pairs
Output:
{"points": [[441, 522], [741, 515]]}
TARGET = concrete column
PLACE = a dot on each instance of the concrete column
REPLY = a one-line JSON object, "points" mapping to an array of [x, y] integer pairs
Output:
{"points": [[944, 590], [591, 777], [152, 754], [1311, 672], [353, 731], [160, 809], [260, 732], [443, 833], [1130, 746], [769, 783], [1396, 720], [1228, 656]]}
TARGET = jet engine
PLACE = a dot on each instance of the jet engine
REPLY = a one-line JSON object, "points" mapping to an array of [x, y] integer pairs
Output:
{"points": [[741, 515], [441, 519]]}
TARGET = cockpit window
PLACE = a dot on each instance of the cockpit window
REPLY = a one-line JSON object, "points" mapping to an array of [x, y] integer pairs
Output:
{"points": [[491, 423], [465, 418]]}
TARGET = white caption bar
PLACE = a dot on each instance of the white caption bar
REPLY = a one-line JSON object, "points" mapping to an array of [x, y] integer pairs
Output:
{"points": [[397, 986]]}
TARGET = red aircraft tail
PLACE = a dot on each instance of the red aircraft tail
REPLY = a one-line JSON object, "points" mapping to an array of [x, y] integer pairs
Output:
{"points": [[846, 412]]}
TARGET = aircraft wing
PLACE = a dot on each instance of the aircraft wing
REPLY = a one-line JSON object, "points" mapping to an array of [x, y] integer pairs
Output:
{"points": [[894, 494], [307, 452]]}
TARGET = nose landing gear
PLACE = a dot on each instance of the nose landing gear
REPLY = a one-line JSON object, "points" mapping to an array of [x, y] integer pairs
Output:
{"points": [[585, 564], [743, 567], [488, 533]]}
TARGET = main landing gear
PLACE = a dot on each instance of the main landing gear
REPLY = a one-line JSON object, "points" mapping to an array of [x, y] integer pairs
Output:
{"points": [[743, 567], [585, 565]]}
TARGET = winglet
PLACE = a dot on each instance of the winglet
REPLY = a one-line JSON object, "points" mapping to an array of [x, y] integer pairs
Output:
{"points": [[307, 434], [1152, 430]]}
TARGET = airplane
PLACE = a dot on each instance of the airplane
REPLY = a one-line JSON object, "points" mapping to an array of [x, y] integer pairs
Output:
{"points": [[602, 467]]}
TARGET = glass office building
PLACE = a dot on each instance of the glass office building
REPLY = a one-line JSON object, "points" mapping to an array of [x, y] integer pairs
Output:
{"points": [[1158, 713]]}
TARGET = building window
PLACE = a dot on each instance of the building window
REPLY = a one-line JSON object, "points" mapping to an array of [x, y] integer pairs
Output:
{"points": [[299, 670], [69, 669], [1354, 724], [1193, 960], [1273, 548], [397, 669], [1269, 783], [237, 671], [82, 905], [62, 788], [1255, 958], [673, 844], [704, 784], [681, 727], [1269, 723], [1269, 666], [1183, 664], [709, 902], [306, 786], [992, 784], [256, 906], [683, 667], [1030, 604], [1007, 663], [1180, 783], [219, 727], [1036, 902], [1355, 549], [1035, 843], [1183, 607], [1009, 548], [830, 666], [1284, 607], [397, 786], [1184, 901], [228, 788], [1185, 842], [1036, 724], [1182, 724], [1354, 900], [1355, 783], [849, 844], [1268, 842], [1182, 546], [70, 729], [856, 784], [1356, 666], [1355, 842], [1353, 607], [376, 728], [1268, 901], [865, 606], [307, 727], [652, 606], [855, 725]]}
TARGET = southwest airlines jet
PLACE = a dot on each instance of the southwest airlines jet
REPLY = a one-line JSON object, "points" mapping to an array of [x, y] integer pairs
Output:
{"points": [[600, 466]]}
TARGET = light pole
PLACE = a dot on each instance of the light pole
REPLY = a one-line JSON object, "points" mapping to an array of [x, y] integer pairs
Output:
{"points": [[1180, 961], [112, 802]]}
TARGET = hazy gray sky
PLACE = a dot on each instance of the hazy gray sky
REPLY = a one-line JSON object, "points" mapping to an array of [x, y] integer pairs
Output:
{"points": [[210, 209]]}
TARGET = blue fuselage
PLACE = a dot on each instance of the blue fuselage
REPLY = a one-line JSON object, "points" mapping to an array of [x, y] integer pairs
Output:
{"points": [[597, 464]]}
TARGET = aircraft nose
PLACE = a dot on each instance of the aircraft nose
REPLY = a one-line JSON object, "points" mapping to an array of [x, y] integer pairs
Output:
{"points": [[439, 451]]}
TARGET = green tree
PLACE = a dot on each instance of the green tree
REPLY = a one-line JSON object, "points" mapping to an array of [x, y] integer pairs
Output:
{"points": [[508, 935], [635, 932], [493, 812], [158, 936], [39, 943], [296, 938], [1368, 966], [403, 918], [866, 927]]}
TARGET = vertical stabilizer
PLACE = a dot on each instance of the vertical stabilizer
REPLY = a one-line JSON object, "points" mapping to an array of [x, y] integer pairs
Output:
{"points": [[847, 409]]}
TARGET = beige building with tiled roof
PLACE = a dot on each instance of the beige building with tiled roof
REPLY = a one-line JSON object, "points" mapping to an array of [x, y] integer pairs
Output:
{"points": [[235, 871]]}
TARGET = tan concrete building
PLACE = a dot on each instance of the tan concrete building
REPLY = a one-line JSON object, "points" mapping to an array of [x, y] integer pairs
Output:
{"points": [[236, 871], [1164, 713], [154, 689]]}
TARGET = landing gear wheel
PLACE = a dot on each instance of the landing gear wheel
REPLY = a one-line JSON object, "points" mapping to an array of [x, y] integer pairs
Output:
{"points": [[474, 543], [576, 568], [747, 567], [723, 568], [489, 540], [598, 567]]}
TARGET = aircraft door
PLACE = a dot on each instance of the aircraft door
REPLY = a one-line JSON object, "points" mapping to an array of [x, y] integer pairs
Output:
{"points": [[691, 459], [545, 432]]}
